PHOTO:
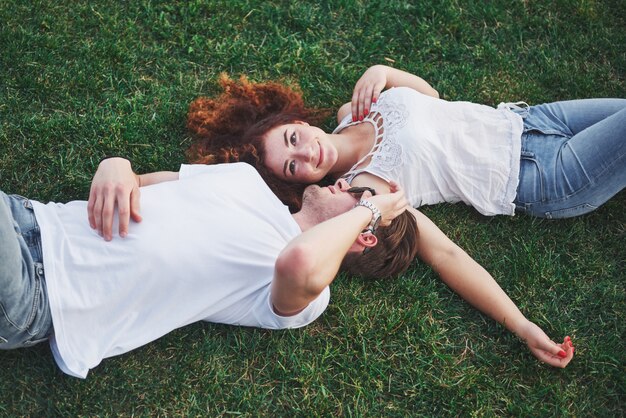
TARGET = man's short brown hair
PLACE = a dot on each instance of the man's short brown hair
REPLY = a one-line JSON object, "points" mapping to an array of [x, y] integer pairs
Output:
{"points": [[391, 256]]}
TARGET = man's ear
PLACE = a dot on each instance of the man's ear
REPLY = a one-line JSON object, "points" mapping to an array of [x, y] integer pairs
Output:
{"points": [[363, 241]]}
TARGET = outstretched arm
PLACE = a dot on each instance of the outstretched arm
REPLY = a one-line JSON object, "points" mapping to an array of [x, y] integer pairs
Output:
{"points": [[474, 284], [115, 185], [372, 83], [311, 261]]}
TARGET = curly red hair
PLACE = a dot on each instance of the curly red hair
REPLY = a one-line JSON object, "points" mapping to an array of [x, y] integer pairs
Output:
{"points": [[231, 127]]}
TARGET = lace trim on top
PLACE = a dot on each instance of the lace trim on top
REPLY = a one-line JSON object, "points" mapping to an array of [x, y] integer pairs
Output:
{"points": [[387, 119]]}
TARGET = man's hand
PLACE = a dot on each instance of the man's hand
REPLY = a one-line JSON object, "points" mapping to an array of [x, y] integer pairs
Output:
{"points": [[390, 205], [546, 350], [113, 186]]}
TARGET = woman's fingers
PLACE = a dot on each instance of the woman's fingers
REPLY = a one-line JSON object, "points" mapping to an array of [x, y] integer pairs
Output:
{"points": [[366, 91], [557, 355]]}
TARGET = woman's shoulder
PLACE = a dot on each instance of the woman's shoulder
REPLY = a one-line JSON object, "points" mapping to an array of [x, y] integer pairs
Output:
{"points": [[344, 111]]}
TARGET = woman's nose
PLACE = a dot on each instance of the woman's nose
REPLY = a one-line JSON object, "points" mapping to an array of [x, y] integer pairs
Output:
{"points": [[305, 154]]}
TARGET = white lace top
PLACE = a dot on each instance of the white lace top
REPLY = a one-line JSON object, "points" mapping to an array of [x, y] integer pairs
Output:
{"points": [[442, 151]]}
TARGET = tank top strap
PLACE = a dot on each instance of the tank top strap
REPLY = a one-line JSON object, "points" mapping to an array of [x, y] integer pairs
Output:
{"points": [[376, 119]]}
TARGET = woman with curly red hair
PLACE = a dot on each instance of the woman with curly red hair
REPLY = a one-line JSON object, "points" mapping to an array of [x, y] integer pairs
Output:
{"points": [[231, 128], [554, 160]]}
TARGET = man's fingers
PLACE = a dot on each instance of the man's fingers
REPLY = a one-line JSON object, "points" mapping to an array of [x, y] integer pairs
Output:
{"points": [[123, 214], [135, 207], [90, 208], [108, 212], [97, 214]]}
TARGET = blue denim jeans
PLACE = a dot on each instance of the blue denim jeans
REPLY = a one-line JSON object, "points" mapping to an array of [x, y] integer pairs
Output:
{"points": [[25, 317], [573, 156]]}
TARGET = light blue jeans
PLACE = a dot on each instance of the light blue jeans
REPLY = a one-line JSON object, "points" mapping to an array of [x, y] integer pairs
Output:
{"points": [[573, 156], [25, 317]]}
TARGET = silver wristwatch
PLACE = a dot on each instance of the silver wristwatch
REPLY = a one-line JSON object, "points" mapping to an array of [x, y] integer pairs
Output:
{"points": [[376, 215]]}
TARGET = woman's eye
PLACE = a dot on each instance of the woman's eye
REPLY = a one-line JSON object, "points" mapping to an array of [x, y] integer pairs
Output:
{"points": [[292, 167], [292, 139]]}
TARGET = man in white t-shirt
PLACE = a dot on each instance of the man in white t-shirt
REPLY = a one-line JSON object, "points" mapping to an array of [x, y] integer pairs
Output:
{"points": [[208, 243]]}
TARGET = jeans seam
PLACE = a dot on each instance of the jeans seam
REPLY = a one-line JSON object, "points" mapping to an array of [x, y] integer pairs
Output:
{"points": [[9, 320], [33, 310], [531, 157], [592, 182], [583, 189]]}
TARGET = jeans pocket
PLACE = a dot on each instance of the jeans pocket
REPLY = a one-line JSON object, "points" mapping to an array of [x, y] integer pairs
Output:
{"points": [[531, 183], [24, 321]]}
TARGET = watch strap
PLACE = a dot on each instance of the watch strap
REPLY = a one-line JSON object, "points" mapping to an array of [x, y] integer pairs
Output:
{"points": [[376, 215]]}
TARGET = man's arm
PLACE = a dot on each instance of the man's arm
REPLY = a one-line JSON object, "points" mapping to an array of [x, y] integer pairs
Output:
{"points": [[116, 185], [474, 284], [311, 261]]}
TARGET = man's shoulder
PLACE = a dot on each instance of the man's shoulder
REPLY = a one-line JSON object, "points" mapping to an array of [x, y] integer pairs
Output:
{"points": [[189, 170]]}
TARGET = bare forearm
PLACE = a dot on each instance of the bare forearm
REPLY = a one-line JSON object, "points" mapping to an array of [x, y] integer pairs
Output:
{"points": [[465, 276], [399, 78], [323, 248], [156, 177], [311, 261], [474, 284]]}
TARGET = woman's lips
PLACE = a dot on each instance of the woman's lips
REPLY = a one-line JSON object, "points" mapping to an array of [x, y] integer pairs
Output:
{"points": [[321, 155]]}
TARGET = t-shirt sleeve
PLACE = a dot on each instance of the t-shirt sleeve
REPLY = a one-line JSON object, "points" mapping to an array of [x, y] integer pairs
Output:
{"points": [[191, 170], [301, 319], [261, 314], [235, 169]]}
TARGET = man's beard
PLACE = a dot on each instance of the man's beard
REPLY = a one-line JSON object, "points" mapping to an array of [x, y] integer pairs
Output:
{"points": [[313, 203], [310, 194]]}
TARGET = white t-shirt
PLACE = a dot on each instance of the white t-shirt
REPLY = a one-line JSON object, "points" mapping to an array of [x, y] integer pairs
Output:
{"points": [[442, 151], [205, 250]]}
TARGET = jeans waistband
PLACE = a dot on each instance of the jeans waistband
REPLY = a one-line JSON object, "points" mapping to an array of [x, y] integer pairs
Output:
{"points": [[521, 108]]}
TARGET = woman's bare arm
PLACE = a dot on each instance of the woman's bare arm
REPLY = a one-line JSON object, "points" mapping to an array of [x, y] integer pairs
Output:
{"points": [[475, 284]]}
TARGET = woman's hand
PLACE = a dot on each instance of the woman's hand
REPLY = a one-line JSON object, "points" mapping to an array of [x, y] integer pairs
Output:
{"points": [[367, 90], [113, 186], [390, 205], [546, 350], [379, 77]]}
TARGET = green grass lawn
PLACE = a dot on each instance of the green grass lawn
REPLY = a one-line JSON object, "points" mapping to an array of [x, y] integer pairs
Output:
{"points": [[83, 79]]}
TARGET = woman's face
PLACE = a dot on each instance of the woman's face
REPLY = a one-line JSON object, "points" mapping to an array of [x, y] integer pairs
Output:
{"points": [[299, 153]]}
